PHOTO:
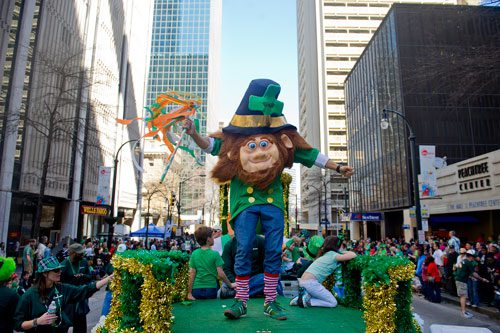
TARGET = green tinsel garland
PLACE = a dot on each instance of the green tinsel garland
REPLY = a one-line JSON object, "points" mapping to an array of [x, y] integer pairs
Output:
{"points": [[130, 300]]}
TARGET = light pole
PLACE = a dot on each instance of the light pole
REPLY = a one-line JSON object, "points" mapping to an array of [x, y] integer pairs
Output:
{"points": [[147, 215], [319, 205], [180, 197], [296, 212], [384, 124], [112, 219]]}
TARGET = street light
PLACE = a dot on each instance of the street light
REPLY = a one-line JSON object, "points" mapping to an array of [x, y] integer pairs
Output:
{"points": [[319, 206], [180, 198], [112, 219], [147, 215], [384, 124]]}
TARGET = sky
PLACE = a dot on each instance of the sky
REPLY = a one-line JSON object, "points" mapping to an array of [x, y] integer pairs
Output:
{"points": [[259, 40]]}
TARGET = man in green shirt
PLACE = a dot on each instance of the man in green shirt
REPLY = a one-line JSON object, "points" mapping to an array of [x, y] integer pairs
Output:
{"points": [[253, 152], [465, 269], [29, 256], [75, 271]]}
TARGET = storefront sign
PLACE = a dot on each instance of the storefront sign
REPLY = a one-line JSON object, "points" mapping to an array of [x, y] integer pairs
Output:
{"points": [[473, 170], [94, 210], [366, 216], [475, 205]]}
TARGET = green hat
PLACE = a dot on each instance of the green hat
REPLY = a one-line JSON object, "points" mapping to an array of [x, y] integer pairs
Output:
{"points": [[314, 245], [7, 268], [48, 264], [259, 112], [289, 243], [76, 248]]}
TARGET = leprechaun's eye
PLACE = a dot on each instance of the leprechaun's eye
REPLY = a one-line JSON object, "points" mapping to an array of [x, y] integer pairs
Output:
{"points": [[252, 145], [264, 143]]}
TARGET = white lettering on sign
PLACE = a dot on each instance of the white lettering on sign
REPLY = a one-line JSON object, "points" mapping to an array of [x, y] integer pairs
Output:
{"points": [[475, 204]]}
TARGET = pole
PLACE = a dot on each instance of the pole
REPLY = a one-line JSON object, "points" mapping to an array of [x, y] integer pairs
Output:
{"points": [[179, 204], [112, 221], [416, 192], [414, 167], [326, 216], [147, 221], [296, 215]]}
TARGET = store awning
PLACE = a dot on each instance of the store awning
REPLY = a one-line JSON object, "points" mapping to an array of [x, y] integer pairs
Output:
{"points": [[454, 219]]}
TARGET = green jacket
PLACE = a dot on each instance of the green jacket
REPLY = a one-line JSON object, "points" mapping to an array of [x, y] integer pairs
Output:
{"points": [[242, 196], [8, 302], [229, 257], [31, 306]]}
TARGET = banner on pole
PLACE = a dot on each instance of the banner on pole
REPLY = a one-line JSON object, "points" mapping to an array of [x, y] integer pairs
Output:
{"points": [[428, 181], [103, 186]]}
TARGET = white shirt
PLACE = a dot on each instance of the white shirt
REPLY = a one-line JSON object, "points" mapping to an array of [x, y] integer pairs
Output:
{"points": [[40, 251], [153, 247], [217, 245], [438, 254]]}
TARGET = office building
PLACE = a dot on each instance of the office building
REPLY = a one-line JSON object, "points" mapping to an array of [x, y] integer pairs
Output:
{"points": [[69, 69], [438, 66], [185, 48], [331, 36]]}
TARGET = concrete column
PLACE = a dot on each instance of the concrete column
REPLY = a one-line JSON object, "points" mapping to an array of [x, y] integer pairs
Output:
{"points": [[365, 230], [382, 229], [408, 233], [354, 228], [12, 119]]}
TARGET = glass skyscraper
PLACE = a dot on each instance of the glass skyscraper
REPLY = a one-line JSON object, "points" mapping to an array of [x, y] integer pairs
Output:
{"points": [[180, 47]]}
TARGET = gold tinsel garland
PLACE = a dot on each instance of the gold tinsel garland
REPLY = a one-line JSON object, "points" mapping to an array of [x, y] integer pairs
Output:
{"points": [[155, 309], [286, 179], [180, 288], [379, 301]]}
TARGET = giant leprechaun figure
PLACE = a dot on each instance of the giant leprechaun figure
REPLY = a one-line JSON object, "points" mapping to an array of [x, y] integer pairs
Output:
{"points": [[253, 151]]}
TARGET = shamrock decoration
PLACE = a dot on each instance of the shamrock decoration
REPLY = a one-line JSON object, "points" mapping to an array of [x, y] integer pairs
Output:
{"points": [[268, 104]]}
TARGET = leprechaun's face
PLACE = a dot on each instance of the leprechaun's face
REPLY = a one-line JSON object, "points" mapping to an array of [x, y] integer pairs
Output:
{"points": [[259, 153]]}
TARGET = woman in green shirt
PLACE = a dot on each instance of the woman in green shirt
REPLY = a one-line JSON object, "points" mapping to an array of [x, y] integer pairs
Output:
{"points": [[41, 307]]}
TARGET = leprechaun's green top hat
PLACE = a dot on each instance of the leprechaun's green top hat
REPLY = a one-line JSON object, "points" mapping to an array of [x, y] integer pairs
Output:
{"points": [[259, 112]]}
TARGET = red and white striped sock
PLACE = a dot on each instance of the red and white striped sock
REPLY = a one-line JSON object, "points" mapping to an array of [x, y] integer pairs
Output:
{"points": [[270, 286], [242, 288]]}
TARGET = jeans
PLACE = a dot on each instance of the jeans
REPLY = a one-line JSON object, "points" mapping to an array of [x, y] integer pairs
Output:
{"points": [[473, 292], [204, 293], [106, 305], [434, 290], [272, 220], [320, 296]]}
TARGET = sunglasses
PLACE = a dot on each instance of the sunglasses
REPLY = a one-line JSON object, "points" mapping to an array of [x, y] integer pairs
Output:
{"points": [[57, 270]]}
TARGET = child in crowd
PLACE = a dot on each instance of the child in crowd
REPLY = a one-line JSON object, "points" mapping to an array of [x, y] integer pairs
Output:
{"points": [[25, 283], [311, 291], [205, 266]]}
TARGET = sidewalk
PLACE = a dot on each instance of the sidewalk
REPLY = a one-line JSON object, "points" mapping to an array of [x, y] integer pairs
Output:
{"points": [[490, 311]]}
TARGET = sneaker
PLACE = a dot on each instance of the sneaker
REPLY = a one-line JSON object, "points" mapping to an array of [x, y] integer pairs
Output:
{"points": [[294, 301], [474, 305], [467, 303], [467, 315], [304, 298], [274, 310], [237, 310]]}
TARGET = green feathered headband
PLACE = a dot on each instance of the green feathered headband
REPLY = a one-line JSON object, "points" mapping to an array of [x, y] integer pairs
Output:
{"points": [[7, 268]]}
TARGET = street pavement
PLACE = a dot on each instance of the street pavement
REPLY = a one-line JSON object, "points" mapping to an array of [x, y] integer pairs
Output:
{"points": [[432, 313], [449, 314]]}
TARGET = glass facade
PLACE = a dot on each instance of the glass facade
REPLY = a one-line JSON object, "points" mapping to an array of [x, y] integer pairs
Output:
{"points": [[179, 62], [436, 65]]}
